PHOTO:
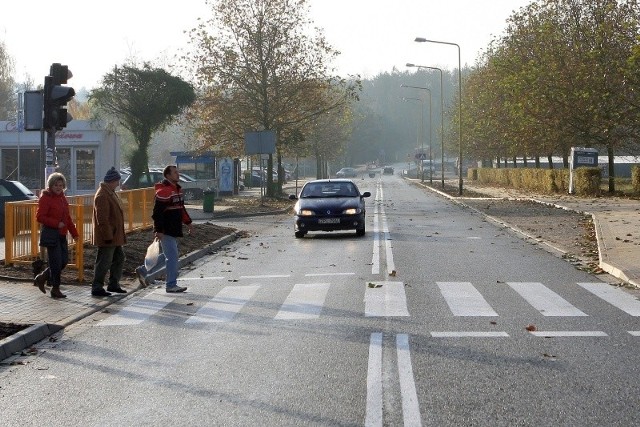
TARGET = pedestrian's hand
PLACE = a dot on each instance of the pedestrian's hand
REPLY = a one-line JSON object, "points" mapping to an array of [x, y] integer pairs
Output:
{"points": [[189, 230]]}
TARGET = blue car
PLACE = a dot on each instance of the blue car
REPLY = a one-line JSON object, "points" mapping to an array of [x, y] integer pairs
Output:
{"points": [[330, 205]]}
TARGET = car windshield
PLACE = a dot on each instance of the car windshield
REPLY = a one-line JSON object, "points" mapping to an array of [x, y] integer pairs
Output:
{"points": [[329, 189]]}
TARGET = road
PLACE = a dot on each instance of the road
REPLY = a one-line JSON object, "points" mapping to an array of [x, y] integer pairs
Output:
{"points": [[434, 317]]}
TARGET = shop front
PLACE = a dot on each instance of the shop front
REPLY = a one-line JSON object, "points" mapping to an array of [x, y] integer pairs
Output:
{"points": [[85, 150]]}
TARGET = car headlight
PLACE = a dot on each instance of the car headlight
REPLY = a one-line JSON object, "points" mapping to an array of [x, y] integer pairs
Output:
{"points": [[352, 211], [305, 212]]}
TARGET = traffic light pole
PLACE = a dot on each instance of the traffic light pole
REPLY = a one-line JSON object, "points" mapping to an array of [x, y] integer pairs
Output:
{"points": [[56, 116]]}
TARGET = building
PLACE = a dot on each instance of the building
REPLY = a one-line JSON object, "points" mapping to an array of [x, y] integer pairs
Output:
{"points": [[85, 151]]}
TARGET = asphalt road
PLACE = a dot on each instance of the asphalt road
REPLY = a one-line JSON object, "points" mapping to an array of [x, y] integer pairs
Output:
{"points": [[434, 317]]}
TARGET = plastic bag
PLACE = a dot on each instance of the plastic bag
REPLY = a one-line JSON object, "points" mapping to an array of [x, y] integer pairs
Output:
{"points": [[153, 255]]}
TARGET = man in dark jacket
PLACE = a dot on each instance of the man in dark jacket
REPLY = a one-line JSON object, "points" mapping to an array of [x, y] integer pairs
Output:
{"points": [[169, 214]]}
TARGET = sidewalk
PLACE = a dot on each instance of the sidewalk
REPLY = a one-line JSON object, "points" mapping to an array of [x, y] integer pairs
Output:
{"points": [[617, 223]]}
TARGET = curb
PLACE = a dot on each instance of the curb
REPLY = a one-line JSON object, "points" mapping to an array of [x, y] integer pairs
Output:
{"points": [[25, 338], [35, 333]]}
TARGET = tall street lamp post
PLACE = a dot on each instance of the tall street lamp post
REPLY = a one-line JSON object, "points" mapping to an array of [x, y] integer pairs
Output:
{"points": [[430, 131], [421, 133], [423, 40], [441, 118]]}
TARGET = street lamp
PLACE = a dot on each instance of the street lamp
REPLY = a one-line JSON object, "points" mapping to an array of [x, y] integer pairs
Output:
{"points": [[423, 40], [430, 131], [421, 133], [441, 118]]}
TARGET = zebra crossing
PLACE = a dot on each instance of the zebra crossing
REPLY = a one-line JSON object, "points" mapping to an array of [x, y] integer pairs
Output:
{"points": [[383, 299]]}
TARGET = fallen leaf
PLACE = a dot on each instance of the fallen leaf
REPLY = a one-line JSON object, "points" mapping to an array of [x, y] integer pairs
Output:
{"points": [[189, 303], [531, 328], [549, 355], [393, 273]]}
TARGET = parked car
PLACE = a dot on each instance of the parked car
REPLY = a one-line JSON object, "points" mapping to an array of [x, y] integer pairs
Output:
{"points": [[155, 176], [12, 191], [347, 173], [329, 205], [387, 170]]}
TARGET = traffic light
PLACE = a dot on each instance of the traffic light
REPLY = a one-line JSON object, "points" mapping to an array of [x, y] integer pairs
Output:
{"points": [[56, 97]]}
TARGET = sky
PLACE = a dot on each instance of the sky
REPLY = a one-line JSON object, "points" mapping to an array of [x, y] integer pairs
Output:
{"points": [[373, 36]]}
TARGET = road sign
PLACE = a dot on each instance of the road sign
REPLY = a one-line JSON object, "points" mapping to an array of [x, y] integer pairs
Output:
{"points": [[421, 156]]}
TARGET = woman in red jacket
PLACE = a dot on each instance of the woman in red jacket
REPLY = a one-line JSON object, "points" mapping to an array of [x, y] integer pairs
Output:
{"points": [[53, 213]]}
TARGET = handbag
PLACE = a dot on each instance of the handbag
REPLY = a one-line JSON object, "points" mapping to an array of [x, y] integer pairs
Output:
{"points": [[49, 236], [153, 255]]}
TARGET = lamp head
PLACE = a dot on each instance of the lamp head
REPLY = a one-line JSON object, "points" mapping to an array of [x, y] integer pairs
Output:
{"points": [[409, 64], [420, 39]]}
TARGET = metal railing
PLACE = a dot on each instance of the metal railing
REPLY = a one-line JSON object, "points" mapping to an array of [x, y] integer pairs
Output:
{"points": [[22, 231]]}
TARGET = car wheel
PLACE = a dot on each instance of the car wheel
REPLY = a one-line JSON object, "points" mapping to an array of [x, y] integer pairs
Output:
{"points": [[360, 231], [189, 195], [300, 234]]}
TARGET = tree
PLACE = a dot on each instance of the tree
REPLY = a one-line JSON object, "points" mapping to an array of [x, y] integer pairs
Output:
{"points": [[260, 67], [562, 76], [143, 100], [7, 84]]}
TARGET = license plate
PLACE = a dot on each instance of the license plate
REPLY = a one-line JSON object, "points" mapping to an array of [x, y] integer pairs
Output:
{"points": [[329, 221]]}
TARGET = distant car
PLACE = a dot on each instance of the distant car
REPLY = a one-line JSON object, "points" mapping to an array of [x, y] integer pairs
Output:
{"points": [[347, 173], [329, 205], [387, 170], [12, 191]]}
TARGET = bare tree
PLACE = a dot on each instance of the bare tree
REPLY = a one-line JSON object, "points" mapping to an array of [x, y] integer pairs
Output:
{"points": [[261, 66]]}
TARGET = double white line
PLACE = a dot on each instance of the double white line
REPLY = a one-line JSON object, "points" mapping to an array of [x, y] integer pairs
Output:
{"points": [[379, 216], [410, 408]]}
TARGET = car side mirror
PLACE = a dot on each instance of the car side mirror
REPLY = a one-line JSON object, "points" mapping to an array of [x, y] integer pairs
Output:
{"points": [[366, 194], [293, 197]]}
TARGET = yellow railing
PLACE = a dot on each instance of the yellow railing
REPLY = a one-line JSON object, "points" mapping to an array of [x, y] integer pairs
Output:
{"points": [[22, 229]]}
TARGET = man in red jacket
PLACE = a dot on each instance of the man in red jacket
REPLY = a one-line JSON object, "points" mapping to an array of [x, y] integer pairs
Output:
{"points": [[169, 214]]}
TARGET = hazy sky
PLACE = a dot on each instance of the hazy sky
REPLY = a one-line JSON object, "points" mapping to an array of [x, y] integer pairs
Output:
{"points": [[373, 35]]}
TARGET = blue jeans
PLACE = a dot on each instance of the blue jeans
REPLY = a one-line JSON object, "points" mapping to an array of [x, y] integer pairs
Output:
{"points": [[168, 259], [170, 250], [58, 259]]}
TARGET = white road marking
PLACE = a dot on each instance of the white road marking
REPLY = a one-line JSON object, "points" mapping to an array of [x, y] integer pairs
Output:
{"points": [[304, 302], [186, 279], [635, 333], [469, 334], [225, 306], [266, 276], [139, 311], [548, 334], [373, 417], [410, 407], [614, 296], [379, 216], [375, 260], [543, 299], [385, 299], [328, 274], [464, 299]]}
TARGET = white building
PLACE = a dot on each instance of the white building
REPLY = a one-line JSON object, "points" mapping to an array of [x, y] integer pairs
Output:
{"points": [[85, 151]]}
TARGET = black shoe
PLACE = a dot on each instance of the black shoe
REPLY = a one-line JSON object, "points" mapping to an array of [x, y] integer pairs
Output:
{"points": [[100, 293], [175, 289], [117, 290]]}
